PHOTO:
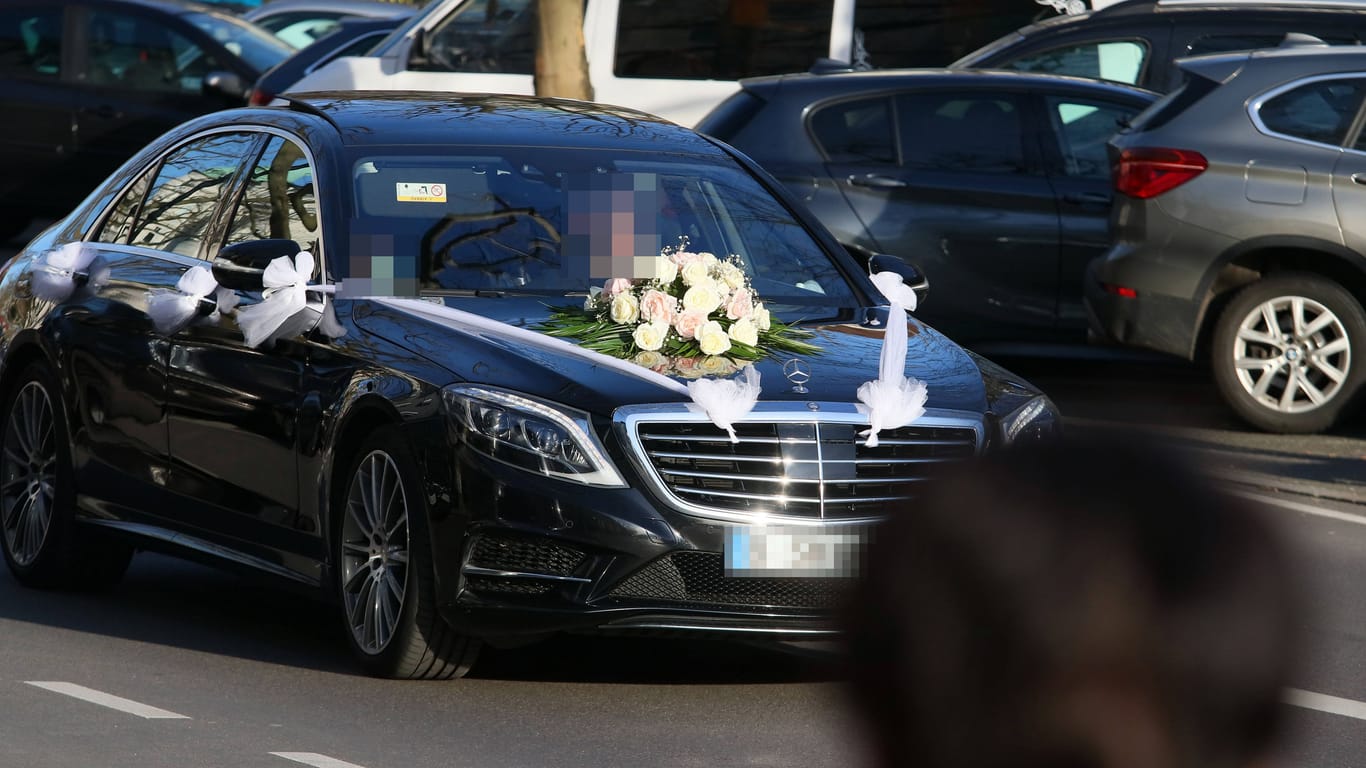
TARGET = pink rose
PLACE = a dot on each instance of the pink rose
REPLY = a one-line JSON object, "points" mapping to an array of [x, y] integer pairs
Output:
{"points": [[739, 305], [688, 321], [684, 258], [685, 363], [658, 306], [616, 285]]}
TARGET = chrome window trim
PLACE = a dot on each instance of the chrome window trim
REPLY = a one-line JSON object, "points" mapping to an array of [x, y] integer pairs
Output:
{"points": [[626, 419], [157, 160], [1255, 104]]}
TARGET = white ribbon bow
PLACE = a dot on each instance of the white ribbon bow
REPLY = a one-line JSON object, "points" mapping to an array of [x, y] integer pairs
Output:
{"points": [[892, 399], [286, 294], [726, 401], [172, 311], [54, 273]]}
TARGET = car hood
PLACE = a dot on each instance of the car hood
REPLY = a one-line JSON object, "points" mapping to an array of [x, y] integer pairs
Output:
{"points": [[848, 357]]}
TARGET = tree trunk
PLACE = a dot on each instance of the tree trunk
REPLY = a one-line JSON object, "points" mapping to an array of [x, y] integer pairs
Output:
{"points": [[561, 64]]}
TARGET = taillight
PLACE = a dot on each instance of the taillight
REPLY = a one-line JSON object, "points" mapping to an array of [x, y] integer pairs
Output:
{"points": [[1148, 172], [260, 98]]}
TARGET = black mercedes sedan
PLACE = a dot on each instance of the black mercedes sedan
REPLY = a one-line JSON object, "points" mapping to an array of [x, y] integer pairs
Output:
{"points": [[319, 342]]}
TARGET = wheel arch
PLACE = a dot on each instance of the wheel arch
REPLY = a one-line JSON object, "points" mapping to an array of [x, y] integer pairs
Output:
{"points": [[365, 415], [1252, 260]]}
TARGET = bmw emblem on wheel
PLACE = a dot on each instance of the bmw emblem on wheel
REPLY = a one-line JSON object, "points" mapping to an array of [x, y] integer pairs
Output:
{"points": [[798, 372]]}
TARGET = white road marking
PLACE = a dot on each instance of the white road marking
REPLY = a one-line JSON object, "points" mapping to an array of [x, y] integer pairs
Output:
{"points": [[1308, 509], [316, 760], [1324, 703], [107, 700]]}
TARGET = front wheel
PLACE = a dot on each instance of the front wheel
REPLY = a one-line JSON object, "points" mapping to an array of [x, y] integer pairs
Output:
{"points": [[1287, 352], [42, 543], [385, 576]]}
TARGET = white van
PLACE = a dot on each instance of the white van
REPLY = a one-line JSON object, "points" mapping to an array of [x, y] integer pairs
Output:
{"points": [[674, 58]]}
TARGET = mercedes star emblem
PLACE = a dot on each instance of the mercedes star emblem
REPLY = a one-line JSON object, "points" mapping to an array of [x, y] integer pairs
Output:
{"points": [[798, 372]]}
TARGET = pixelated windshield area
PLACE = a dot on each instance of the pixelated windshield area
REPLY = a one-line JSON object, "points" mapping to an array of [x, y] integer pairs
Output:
{"points": [[559, 222]]}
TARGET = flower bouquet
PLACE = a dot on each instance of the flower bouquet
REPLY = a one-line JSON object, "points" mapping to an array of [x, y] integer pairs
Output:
{"points": [[698, 316]]}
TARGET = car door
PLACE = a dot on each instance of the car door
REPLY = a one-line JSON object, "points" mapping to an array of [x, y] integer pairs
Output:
{"points": [[118, 361], [36, 97], [232, 410], [1074, 139], [132, 85], [946, 179]]}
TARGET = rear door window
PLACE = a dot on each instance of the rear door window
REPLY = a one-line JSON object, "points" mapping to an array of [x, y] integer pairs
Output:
{"points": [[31, 42], [1121, 61], [856, 131], [1319, 111], [954, 131]]}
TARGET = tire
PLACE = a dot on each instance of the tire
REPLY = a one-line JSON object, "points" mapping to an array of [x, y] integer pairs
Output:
{"points": [[1289, 352], [42, 542], [384, 575]]}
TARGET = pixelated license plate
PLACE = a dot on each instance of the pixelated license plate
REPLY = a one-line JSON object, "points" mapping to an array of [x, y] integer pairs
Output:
{"points": [[793, 551]]}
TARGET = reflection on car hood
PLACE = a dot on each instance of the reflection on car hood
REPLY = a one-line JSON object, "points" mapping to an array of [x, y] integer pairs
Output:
{"points": [[848, 357]]}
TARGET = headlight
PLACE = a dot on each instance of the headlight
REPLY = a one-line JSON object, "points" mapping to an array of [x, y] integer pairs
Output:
{"points": [[1036, 420], [530, 434]]}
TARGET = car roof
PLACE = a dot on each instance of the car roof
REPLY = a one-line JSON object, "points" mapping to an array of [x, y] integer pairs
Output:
{"points": [[1140, 8], [842, 82], [409, 117], [367, 8], [173, 7]]}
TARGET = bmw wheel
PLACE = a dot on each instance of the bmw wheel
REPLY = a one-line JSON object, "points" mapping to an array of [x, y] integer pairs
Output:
{"points": [[41, 541], [1288, 352], [384, 570]]}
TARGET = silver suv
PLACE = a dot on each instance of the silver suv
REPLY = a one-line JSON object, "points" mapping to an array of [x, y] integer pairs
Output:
{"points": [[1239, 231]]}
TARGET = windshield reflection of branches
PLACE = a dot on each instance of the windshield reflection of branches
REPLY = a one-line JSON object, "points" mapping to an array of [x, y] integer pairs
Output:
{"points": [[505, 247]]}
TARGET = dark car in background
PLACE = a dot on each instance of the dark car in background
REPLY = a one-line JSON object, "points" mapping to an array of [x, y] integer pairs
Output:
{"points": [[1239, 234], [84, 84], [349, 37], [996, 184], [1137, 41], [432, 465], [303, 22]]}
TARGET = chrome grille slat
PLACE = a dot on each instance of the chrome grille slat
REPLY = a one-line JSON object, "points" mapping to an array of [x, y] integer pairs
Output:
{"points": [[789, 465]]}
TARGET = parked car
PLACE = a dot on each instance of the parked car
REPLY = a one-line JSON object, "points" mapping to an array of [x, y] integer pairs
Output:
{"points": [[996, 184], [1137, 41], [676, 60], [1238, 234], [431, 464], [75, 112], [350, 37], [300, 23]]}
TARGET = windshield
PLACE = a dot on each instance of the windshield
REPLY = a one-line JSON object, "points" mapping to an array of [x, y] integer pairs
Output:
{"points": [[258, 48], [557, 222]]}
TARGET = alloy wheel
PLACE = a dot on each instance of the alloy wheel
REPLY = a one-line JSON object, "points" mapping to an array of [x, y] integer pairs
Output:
{"points": [[28, 473], [1292, 354], [375, 552]]}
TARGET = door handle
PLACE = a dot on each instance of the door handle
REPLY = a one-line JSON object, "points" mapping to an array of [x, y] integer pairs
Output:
{"points": [[1359, 178], [877, 181], [1087, 198]]}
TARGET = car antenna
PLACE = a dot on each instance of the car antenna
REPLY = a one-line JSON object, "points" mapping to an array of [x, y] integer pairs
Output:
{"points": [[309, 107]]}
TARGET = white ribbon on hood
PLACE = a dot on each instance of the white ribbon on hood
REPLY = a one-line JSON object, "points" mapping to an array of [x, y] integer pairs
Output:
{"points": [[892, 399], [55, 273], [726, 401], [172, 311], [286, 294]]}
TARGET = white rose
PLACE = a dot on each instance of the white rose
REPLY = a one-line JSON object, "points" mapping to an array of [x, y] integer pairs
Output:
{"points": [[709, 259], [650, 336], [761, 317], [695, 273], [665, 270], [715, 365], [648, 359], [702, 298], [744, 332], [732, 276], [712, 339], [625, 308]]}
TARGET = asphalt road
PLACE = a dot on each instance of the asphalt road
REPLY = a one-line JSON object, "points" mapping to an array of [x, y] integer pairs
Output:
{"points": [[238, 675]]}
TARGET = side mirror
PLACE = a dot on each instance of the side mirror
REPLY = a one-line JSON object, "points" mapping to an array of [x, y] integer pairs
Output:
{"points": [[240, 266], [417, 52], [884, 262], [226, 85]]}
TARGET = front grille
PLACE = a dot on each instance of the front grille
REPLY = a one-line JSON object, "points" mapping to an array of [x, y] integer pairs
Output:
{"points": [[524, 555], [807, 469], [698, 578]]}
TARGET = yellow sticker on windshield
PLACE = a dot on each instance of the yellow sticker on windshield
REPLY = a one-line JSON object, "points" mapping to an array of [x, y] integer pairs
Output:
{"points": [[409, 192]]}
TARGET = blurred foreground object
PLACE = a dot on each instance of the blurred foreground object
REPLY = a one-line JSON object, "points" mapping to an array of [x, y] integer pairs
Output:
{"points": [[1077, 604]]}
